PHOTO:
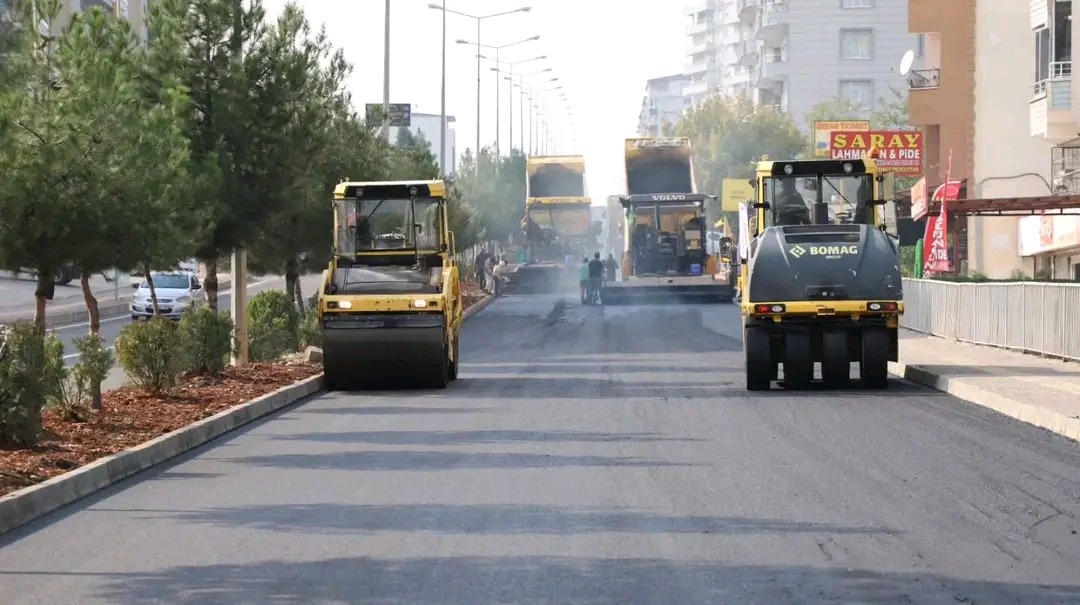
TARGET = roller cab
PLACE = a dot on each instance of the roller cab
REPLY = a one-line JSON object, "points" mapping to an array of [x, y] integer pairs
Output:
{"points": [[821, 283], [556, 225], [666, 254], [391, 304]]}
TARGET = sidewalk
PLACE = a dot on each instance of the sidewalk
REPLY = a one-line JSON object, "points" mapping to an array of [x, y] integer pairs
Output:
{"points": [[1039, 391], [71, 309]]}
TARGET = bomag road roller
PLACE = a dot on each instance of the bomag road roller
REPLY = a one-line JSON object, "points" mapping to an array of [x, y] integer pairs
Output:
{"points": [[665, 251], [391, 303], [821, 283], [556, 226]]}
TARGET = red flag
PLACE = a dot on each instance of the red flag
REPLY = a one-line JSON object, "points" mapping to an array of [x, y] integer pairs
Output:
{"points": [[936, 254]]}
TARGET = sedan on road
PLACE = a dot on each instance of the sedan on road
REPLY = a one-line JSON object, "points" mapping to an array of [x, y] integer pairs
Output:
{"points": [[176, 292]]}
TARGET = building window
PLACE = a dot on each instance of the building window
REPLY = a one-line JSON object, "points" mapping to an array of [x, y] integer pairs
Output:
{"points": [[857, 44], [1042, 57], [920, 46], [860, 93], [856, 3]]}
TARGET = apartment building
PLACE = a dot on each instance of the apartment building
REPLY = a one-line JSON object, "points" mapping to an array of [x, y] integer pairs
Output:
{"points": [[995, 91], [663, 103], [132, 10], [428, 125], [790, 55], [1050, 245]]}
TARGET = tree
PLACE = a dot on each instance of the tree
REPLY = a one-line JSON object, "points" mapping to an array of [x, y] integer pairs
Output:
{"points": [[128, 216], [728, 135], [495, 193]]}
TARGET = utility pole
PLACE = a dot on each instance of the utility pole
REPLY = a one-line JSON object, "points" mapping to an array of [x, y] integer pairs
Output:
{"points": [[386, 75], [239, 256], [442, 111]]}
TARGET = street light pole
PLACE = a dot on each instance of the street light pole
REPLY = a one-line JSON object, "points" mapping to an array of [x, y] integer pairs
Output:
{"points": [[386, 75], [478, 19], [442, 104]]}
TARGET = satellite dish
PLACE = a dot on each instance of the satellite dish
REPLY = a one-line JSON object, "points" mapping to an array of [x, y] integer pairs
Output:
{"points": [[905, 63]]}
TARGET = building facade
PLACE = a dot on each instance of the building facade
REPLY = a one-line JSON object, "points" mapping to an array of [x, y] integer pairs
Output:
{"points": [[427, 125], [792, 55], [664, 103]]}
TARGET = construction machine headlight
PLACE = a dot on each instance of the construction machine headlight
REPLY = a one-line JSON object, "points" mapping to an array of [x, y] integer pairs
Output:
{"points": [[344, 304], [788, 169], [419, 303], [881, 306], [848, 167]]}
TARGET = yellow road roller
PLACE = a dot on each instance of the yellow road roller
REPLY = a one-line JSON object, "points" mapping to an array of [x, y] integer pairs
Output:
{"points": [[391, 304], [821, 284]]}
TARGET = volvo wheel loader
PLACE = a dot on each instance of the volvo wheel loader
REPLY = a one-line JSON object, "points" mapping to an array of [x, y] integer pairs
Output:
{"points": [[821, 283], [665, 247], [556, 226], [391, 304]]}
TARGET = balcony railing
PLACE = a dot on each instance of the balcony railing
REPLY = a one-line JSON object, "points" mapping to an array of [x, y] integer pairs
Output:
{"points": [[775, 55], [1059, 70], [924, 78]]}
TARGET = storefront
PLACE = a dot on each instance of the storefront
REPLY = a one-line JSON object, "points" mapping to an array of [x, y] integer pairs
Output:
{"points": [[1052, 242]]}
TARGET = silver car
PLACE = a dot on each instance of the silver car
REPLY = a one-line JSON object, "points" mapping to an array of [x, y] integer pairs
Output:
{"points": [[176, 292]]}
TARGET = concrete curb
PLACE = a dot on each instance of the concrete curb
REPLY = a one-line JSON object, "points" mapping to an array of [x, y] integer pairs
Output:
{"points": [[478, 307], [27, 504], [1055, 422], [107, 310]]}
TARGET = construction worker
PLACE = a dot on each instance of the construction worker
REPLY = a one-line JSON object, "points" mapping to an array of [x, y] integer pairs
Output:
{"points": [[583, 278]]}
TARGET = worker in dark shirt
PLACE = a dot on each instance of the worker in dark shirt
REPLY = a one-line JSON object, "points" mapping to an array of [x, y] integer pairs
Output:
{"points": [[596, 278]]}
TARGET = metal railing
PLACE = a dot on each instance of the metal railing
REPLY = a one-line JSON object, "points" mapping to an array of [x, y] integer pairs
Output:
{"points": [[1033, 317]]}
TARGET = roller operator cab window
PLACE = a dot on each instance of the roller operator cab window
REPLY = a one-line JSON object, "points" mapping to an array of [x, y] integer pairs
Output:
{"points": [[566, 221], [376, 225], [793, 200]]}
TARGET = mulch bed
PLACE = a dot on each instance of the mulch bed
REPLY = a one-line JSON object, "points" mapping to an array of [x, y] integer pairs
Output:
{"points": [[130, 416]]}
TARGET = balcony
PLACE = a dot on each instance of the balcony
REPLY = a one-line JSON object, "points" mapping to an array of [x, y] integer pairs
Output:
{"points": [[773, 69], [748, 54], [774, 21], [919, 79], [748, 10], [1050, 109]]}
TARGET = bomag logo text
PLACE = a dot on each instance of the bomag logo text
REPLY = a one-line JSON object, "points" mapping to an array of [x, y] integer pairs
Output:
{"points": [[833, 250]]}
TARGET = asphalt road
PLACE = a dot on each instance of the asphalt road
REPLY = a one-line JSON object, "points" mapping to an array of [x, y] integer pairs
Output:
{"points": [[586, 455], [19, 292], [111, 327]]}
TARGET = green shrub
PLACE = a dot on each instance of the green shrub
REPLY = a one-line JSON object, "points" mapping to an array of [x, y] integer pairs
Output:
{"points": [[273, 326], [311, 330], [29, 378], [150, 353], [206, 340], [81, 386]]}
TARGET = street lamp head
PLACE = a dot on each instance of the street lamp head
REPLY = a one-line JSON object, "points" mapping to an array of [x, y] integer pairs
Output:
{"points": [[524, 9], [462, 41], [534, 38], [435, 6]]}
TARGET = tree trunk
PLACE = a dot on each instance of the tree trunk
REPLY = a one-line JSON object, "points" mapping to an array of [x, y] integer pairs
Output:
{"points": [[210, 282], [91, 303], [292, 285], [95, 329], [300, 300], [153, 291], [42, 293]]}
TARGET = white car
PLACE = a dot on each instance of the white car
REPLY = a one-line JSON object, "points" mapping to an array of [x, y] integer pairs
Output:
{"points": [[177, 291]]}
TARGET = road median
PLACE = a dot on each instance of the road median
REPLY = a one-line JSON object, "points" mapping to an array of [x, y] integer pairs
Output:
{"points": [[136, 430]]}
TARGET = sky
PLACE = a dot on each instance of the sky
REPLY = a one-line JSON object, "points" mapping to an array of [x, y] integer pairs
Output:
{"points": [[601, 51]]}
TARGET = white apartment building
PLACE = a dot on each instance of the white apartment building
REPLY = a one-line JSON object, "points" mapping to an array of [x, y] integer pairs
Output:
{"points": [[790, 55], [1049, 244], [664, 103], [132, 10]]}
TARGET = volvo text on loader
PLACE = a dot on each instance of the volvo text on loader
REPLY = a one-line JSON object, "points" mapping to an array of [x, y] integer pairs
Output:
{"points": [[822, 282], [665, 251], [557, 225], [391, 304]]}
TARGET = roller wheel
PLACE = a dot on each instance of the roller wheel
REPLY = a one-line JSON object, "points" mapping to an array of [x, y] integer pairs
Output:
{"points": [[441, 377], [874, 367], [760, 369], [333, 381], [457, 359], [835, 363], [798, 365]]}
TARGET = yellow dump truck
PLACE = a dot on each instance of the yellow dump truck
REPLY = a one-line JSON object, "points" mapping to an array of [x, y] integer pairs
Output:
{"points": [[556, 226], [391, 304], [665, 252]]}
